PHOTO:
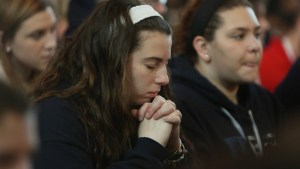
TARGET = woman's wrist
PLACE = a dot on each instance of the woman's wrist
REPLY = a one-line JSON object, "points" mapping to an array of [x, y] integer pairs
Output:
{"points": [[174, 140], [173, 146], [176, 156]]}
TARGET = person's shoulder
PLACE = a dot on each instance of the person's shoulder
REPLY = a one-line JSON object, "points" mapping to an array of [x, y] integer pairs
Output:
{"points": [[52, 100], [62, 135], [55, 106], [56, 109], [58, 119]]}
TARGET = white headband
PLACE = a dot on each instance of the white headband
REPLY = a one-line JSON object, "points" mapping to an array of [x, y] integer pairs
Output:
{"points": [[142, 12]]}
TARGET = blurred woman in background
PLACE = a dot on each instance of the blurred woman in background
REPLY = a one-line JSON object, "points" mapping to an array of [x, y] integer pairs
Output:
{"points": [[28, 40]]}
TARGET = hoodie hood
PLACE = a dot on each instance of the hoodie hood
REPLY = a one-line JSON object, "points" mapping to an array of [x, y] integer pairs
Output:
{"points": [[183, 72]]}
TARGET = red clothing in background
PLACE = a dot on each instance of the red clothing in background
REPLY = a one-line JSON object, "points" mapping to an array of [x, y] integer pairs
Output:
{"points": [[275, 64]]}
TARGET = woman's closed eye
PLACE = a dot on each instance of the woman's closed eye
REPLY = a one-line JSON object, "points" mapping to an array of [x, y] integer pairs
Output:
{"points": [[151, 66]]}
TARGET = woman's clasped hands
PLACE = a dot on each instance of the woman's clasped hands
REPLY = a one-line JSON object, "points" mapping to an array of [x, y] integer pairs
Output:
{"points": [[160, 121]]}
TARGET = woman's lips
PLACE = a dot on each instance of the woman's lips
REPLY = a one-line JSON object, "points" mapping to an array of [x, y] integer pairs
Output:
{"points": [[152, 94]]}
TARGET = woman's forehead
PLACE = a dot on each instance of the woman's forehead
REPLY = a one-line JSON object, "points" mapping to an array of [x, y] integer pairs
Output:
{"points": [[239, 17]]}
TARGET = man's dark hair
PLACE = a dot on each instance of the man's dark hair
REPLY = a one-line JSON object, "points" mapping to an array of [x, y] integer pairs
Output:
{"points": [[12, 100]]}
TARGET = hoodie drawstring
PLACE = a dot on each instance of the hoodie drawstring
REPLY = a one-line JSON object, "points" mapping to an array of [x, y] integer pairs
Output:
{"points": [[240, 130], [236, 124], [256, 134]]}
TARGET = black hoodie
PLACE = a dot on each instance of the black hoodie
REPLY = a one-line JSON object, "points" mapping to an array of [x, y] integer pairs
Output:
{"points": [[216, 126]]}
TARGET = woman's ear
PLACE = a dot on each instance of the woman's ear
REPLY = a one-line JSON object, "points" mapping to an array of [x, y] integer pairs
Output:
{"points": [[4, 46], [200, 46]]}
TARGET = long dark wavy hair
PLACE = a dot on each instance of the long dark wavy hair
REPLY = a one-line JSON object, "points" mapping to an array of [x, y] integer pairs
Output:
{"points": [[90, 71]]}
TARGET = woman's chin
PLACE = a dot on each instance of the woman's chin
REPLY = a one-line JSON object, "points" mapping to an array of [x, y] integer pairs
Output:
{"points": [[141, 101]]}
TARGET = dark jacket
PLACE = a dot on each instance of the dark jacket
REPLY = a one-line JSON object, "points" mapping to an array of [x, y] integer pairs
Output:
{"points": [[288, 91], [64, 144], [218, 128]]}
